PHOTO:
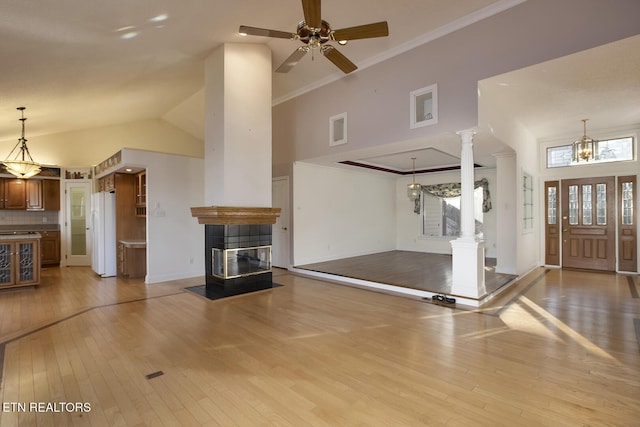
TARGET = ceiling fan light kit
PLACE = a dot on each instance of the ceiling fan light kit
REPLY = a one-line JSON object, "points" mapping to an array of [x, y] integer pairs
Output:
{"points": [[315, 32]]}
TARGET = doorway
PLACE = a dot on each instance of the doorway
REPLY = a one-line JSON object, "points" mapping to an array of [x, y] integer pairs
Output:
{"points": [[76, 231], [588, 223], [280, 256]]}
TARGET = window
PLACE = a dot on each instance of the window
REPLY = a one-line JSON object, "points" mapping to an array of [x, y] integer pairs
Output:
{"points": [[627, 203], [527, 201], [441, 215], [424, 106], [338, 129], [552, 208], [610, 150]]}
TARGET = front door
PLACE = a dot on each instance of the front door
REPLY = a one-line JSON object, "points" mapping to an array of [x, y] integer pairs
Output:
{"points": [[588, 223]]}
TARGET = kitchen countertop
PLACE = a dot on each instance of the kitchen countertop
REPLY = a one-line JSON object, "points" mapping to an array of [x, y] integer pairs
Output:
{"points": [[28, 227], [134, 243], [19, 236]]}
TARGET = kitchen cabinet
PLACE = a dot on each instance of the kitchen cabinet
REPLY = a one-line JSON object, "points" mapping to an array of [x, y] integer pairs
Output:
{"points": [[51, 194], [30, 194], [132, 259], [19, 261], [34, 195], [141, 194], [49, 248], [13, 193], [107, 183]]}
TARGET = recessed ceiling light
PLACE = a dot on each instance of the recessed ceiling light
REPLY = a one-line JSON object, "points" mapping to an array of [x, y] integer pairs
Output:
{"points": [[159, 18], [127, 28], [129, 35]]}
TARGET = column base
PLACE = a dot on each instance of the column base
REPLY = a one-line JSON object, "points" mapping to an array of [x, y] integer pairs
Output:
{"points": [[468, 268]]}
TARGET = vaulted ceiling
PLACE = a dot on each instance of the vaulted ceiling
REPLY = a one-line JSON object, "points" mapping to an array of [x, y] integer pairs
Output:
{"points": [[83, 64]]}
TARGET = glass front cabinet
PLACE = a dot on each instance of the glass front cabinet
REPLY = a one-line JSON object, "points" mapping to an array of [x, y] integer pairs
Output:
{"points": [[19, 263]]}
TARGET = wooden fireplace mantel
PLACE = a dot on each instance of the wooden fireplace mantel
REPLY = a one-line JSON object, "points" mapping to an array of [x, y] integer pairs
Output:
{"points": [[221, 215]]}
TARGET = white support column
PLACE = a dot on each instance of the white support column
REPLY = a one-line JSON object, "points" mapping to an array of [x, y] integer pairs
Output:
{"points": [[467, 217], [237, 154], [468, 253]]}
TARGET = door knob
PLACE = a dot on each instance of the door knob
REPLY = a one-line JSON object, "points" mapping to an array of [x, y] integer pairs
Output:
{"points": [[284, 228]]}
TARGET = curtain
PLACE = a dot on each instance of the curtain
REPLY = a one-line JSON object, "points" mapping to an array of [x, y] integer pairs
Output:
{"points": [[454, 189]]}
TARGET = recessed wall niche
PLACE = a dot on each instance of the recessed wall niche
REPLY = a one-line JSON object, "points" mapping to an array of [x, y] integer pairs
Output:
{"points": [[338, 129], [424, 106]]}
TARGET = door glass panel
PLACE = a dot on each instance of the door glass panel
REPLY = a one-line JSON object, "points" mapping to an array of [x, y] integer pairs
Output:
{"points": [[26, 261], [573, 204], [78, 221], [627, 203], [587, 205], [5, 263], [551, 205], [601, 204]]}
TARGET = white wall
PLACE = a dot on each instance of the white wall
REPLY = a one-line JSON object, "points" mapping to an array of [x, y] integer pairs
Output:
{"points": [[409, 226], [175, 240], [340, 213], [506, 214], [495, 119]]}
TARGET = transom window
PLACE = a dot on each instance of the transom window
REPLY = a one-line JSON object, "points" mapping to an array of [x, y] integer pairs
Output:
{"points": [[610, 150]]}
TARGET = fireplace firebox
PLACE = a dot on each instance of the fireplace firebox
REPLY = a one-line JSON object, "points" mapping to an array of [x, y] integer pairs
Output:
{"points": [[239, 255], [232, 263]]}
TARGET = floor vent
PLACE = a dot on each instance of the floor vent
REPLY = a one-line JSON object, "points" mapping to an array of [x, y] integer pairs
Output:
{"points": [[154, 375]]}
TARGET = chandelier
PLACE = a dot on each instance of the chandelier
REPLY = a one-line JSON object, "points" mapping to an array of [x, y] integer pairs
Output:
{"points": [[585, 148], [22, 164], [413, 190]]}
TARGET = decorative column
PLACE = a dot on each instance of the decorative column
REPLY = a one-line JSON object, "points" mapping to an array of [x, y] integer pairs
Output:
{"points": [[468, 253], [467, 217]]}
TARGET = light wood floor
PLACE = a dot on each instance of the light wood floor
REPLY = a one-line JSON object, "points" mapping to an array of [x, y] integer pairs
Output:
{"points": [[559, 349]]}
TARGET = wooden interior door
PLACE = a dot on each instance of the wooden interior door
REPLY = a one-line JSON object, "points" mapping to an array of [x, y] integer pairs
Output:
{"points": [[588, 223]]}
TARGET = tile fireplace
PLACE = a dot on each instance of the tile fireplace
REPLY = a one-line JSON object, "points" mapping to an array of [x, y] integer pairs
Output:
{"points": [[237, 248]]}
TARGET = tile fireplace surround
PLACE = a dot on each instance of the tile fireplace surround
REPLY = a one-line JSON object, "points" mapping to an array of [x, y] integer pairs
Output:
{"points": [[237, 248]]}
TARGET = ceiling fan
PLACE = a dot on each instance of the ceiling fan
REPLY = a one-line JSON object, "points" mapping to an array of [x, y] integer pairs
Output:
{"points": [[315, 32]]}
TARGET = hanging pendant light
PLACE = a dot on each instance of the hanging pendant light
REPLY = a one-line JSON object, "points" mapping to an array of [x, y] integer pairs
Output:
{"points": [[585, 148], [22, 164], [413, 190]]}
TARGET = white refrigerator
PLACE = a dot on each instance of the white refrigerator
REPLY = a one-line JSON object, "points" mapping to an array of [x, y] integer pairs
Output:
{"points": [[103, 219]]}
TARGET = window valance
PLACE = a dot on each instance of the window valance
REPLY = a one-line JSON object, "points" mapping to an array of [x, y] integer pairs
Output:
{"points": [[454, 189]]}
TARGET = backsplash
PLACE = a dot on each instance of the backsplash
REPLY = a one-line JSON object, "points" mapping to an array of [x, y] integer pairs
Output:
{"points": [[19, 217]]}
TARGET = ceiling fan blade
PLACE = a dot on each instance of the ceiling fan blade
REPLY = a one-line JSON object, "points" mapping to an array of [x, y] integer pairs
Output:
{"points": [[377, 29], [253, 31], [338, 59], [292, 60], [312, 14]]}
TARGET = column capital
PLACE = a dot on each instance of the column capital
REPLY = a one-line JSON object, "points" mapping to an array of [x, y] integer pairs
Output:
{"points": [[466, 135]]}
